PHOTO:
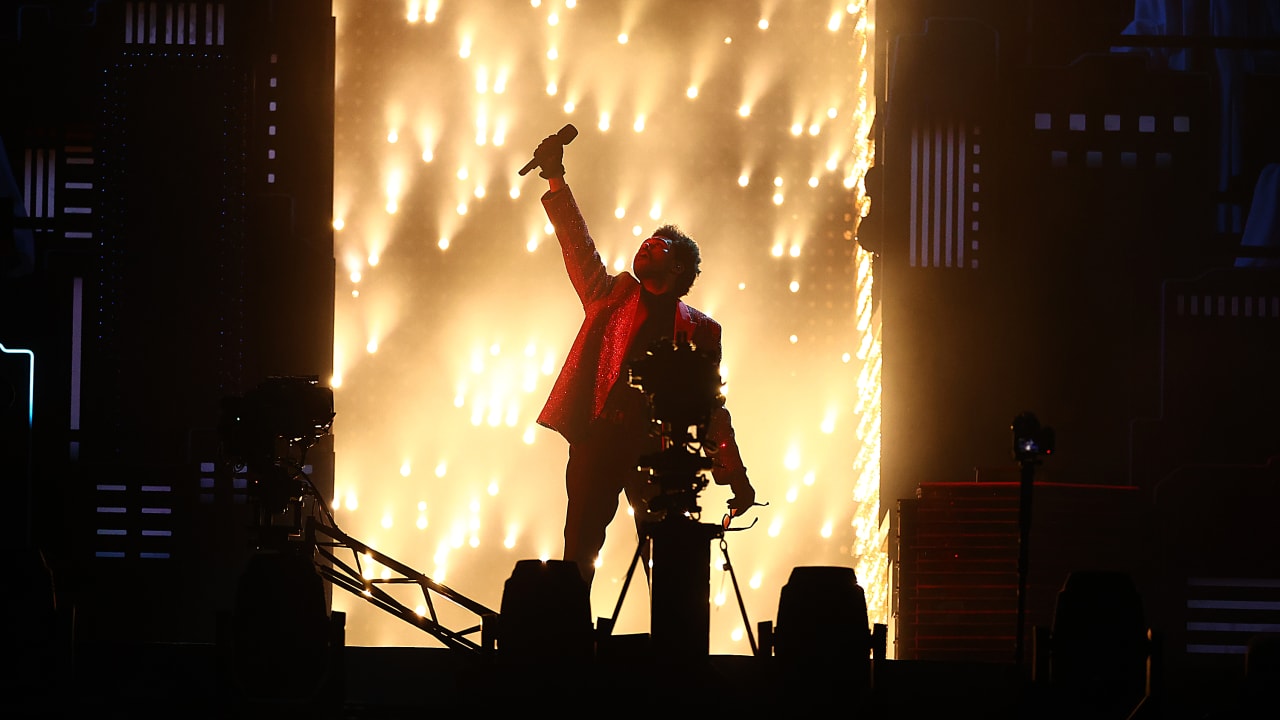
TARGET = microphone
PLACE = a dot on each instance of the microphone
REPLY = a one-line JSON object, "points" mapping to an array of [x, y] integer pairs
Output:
{"points": [[565, 135]]}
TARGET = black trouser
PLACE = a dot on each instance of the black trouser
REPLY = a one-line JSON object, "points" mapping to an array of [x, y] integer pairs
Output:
{"points": [[602, 465]]}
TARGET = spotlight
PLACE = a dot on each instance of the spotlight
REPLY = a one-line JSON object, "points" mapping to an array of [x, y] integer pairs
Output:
{"points": [[823, 628], [545, 614]]}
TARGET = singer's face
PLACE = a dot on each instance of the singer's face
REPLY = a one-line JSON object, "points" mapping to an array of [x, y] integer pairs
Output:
{"points": [[653, 259]]}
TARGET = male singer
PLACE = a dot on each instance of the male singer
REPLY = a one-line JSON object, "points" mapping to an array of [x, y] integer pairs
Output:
{"points": [[606, 421]]}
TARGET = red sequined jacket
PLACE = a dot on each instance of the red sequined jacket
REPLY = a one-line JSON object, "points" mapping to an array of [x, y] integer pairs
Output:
{"points": [[598, 353]]}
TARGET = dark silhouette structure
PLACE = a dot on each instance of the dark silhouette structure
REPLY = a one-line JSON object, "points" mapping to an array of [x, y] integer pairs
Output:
{"points": [[1073, 212]]}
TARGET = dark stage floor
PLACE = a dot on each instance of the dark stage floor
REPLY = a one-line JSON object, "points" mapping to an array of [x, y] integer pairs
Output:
{"points": [[196, 681]]}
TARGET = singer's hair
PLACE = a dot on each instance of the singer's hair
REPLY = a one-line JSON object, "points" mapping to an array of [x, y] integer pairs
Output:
{"points": [[686, 253]]}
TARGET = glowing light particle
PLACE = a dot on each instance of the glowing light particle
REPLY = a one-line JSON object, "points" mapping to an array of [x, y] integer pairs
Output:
{"points": [[622, 38], [405, 469], [692, 92], [791, 460], [794, 286], [339, 223], [552, 88], [744, 110]]}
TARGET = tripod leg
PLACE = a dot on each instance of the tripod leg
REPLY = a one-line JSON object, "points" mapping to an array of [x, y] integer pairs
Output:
{"points": [[724, 548], [626, 583]]}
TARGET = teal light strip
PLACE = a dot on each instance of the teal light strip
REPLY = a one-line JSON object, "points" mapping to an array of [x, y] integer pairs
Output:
{"points": [[31, 378]]}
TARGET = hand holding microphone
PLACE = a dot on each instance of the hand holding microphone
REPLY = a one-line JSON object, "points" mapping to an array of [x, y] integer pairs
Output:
{"points": [[550, 154]]}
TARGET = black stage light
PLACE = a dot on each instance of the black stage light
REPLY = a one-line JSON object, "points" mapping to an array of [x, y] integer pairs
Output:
{"points": [[545, 614], [1098, 645], [822, 620]]}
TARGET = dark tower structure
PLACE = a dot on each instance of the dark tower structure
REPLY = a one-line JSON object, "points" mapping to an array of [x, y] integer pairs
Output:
{"points": [[1065, 211], [167, 190]]}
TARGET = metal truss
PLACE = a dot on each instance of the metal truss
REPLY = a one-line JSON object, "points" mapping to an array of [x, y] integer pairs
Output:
{"points": [[329, 541]]}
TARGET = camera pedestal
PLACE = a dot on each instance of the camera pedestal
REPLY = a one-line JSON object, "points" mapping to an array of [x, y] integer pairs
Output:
{"points": [[680, 592], [681, 587]]}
